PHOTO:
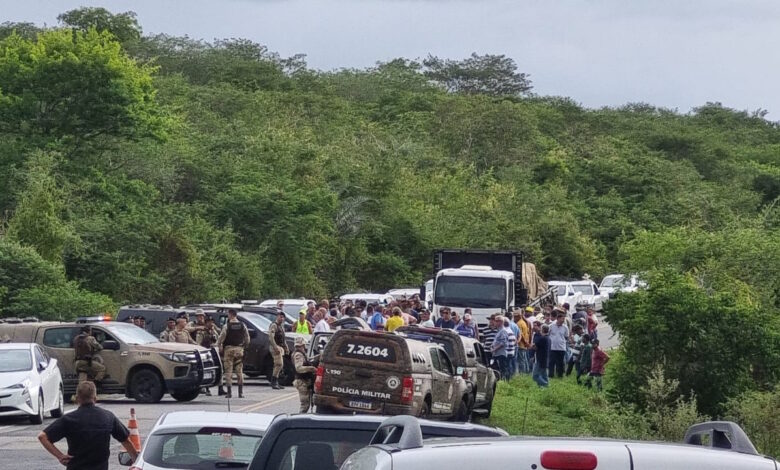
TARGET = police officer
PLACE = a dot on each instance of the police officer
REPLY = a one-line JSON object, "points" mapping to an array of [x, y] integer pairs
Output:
{"points": [[165, 336], [198, 325], [304, 375], [87, 347], [231, 343], [180, 334], [278, 347]]}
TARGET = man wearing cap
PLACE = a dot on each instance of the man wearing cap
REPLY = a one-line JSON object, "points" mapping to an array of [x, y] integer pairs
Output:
{"points": [[87, 348], [199, 324], [467, 328], [278, 348], [304, 375], [165, 336], [231, 343]]}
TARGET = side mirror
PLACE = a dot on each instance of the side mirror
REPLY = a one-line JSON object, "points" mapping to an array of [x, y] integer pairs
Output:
{"points": [[125, 459], [42, 365], [111, 345], [459, 371]]}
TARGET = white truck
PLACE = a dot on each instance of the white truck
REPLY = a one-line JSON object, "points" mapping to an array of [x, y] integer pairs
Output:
{"points": [[485, 281]]}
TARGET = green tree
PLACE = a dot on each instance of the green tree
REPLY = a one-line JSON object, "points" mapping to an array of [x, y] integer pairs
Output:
{"points": [[488, 74], [124, 26]]}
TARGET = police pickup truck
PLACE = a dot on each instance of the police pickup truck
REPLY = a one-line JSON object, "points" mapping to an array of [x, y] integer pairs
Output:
{"points": [[137, 364], [718, 445]]}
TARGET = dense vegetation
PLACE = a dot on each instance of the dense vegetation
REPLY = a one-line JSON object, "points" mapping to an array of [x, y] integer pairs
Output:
{"points": [[165, 169]]}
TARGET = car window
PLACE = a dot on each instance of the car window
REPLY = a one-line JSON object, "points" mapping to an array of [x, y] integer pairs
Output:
{"points": [[102, 336], [207, 448], [15, 360], [446, 364], [60, 337], [435, 359], [321, 449]]}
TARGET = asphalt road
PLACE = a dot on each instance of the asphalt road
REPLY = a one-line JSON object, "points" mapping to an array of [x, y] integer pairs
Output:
{"points": [[20, 449]]}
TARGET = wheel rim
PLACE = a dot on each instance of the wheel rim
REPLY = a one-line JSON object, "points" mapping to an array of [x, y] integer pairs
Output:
{"points": [[61, 404], [40, 407]]}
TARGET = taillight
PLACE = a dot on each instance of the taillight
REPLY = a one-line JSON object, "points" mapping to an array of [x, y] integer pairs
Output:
{"points": [[568, 460], [318, 380], [407, 391]]}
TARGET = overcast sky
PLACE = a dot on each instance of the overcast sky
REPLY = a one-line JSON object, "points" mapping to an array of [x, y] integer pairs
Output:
{"points": [[676, 54]]}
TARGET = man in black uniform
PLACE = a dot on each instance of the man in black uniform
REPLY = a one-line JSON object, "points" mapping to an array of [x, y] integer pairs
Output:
{"points": [[88, 431], [87, 347]]}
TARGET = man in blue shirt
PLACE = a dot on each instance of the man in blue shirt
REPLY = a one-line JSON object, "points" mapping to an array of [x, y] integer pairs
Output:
{"points": [[467, 328], [500, 345], [376, 319]]}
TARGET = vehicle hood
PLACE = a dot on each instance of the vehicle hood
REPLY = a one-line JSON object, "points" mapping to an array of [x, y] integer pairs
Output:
{"points": [[12, 378], [168, 347]]}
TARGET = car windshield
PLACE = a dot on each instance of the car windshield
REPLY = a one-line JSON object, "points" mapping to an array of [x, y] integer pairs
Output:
{"points": [[560, 290], [15, 360], [306, 449], [258, 321], [129, 334], [613, 281], [209, 448], [475, 292], [585, 289]]}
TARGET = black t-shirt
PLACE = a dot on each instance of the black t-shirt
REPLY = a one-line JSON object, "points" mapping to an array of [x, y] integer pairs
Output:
{"points": [[542, 343], [88, 431], [442, 323]]}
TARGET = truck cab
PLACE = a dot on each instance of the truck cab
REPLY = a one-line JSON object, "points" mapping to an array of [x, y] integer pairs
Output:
{"points": [[481, 288]]}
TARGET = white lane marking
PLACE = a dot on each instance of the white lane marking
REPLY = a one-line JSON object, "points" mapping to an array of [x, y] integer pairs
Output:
{"points": [[263, 404]]}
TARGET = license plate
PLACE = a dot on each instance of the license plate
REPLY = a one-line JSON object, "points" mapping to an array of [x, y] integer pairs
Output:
{"points": [[363, 405], [208, 375]]}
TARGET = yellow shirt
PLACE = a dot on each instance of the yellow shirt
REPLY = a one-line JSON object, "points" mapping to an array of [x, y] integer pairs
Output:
{"points": [[394, 322], [524, 341]]}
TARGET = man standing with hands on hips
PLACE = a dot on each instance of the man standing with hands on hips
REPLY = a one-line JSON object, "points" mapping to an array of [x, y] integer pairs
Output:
{"points": [[231, 343], [278, 346]]}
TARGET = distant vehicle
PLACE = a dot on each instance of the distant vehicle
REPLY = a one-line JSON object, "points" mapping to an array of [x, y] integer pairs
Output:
{"points": [[137, 364], [379, 373], [565, 293], [429, 293], [589, 293], [291, 306], [30, 382], [404, 294], [155, 316], [615, 283], [269, 313], [379, 299], [315, 442], [717, 445], [202, 440]]}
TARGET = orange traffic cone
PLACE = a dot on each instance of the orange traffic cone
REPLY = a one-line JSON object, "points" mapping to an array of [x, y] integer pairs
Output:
{"points": [[226, 451], [132, 425]]}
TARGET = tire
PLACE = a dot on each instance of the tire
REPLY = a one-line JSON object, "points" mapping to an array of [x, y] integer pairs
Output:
{"points": [[146, 386], [463, 413], [425, 409], [287, 375], [186, 395], [60, 409], [38, 418], [489, 406]]}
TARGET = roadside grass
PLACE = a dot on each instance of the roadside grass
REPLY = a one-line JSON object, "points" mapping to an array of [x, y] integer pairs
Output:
{"points": [[563, 409]]}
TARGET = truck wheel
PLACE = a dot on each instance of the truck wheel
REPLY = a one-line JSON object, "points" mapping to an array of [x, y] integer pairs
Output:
{"points": [[60, 409], [146, 386], [287, 375], [186, 395], [489, 407], [462, 415]]}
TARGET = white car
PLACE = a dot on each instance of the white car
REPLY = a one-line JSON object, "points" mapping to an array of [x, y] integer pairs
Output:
{"points": [[615, 283], [30, 382], [565, 294], [291, 307], [380, 299], [202, 440], [589, 293], [405, 293]]}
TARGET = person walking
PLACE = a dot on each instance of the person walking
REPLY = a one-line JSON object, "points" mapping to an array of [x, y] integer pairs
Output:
{"points": [[278, 347], [86, 348], [88, 431], [304, 375], [231, 343], [541, 348], [598, 361]]}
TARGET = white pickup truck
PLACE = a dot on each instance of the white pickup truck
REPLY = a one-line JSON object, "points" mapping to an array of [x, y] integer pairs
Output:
{"points": [[398, 445]]}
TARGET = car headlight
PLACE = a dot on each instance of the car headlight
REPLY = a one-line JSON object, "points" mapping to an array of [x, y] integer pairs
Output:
{"points": [[190, 357], [24, 384]]}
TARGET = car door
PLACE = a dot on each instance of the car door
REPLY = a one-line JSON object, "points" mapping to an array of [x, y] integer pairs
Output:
{"points": [[255, 353], [47, 375], [482, 372], [441, 385], [115, 368], [449, 373], [58, 343]]}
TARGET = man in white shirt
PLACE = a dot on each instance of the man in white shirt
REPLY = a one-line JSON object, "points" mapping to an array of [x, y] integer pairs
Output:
{"points": [[322, 323]]}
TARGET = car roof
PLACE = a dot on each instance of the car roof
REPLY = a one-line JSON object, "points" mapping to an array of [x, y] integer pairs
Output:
{"points": [[200, 419], [287, 301], [16, 345]]}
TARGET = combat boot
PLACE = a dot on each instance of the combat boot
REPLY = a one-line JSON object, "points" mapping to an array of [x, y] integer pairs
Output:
{"points": [[221, 390], [275, 384], [240, 391], [229, 394]]}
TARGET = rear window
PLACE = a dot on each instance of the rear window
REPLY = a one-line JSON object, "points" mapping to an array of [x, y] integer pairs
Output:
{"points": [[207, 449], [367, 349], [316, 449]]}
